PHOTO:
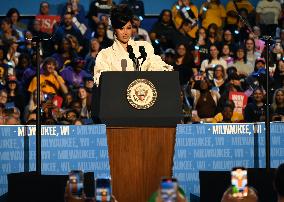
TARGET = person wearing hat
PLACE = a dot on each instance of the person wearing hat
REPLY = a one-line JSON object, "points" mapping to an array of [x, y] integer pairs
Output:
{"points": [[112, 58]]}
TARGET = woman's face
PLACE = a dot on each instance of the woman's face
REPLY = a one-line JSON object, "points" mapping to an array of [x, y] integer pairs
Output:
{"points": [[82, 94], [279, 97], [226, 50], [181, 50], [202, 33], [281, 66], [214, 52], [14, 18], [12, 85], [66, 45], [218, 72], [95, 45], [227, 35], [240, 53], [123, 34], [50, 67], [250, 45], [258, 95], [166, 18]]}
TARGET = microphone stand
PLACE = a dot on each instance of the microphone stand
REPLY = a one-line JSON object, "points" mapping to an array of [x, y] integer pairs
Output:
{"points": [[267, 40], [37, 41]]}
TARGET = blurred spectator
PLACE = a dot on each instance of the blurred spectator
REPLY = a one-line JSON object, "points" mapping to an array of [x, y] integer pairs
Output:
{"points": [[201, 50], [219, 76], [137, 22], [213, 35], [65, 54], [73, 75], [92, 55], [278, 76], [228, 39], [183, 63], [226, 55], [277, 106], [67, 27], [213, 60], [227, 113], [14, 15], [3, 97], [136, 5], [255, 110], [212, 12], [85, 101], [44, 8], [279, 182], [268, 13], [280, 26], [252, 196], [89, 84], [3, 74], [163, 30], [243, 67], [30, 108], [205, 100], [100, 34], [12, 56], [169, 56], [276, 53], [232, 12], [71, 116], [78, 49], [78, 122], [23, 64], [12, 90], [252, 55], [76, 105], [50, 81], [106, 21], [185, 11], [96, 9], [259, 44], [68, 98], [7, 33]]}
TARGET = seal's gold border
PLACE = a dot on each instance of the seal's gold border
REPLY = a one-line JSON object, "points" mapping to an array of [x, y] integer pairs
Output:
{"points": [[148, 87]]}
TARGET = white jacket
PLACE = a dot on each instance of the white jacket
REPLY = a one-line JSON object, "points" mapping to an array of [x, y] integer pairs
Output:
{"points": [[109, 59]]}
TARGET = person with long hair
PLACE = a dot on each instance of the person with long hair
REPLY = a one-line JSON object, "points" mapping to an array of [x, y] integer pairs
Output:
{"points": [[213, 60], [277, 106], [183, 63], [255, 110], [109, 59], [243, 66], [278, 76]]}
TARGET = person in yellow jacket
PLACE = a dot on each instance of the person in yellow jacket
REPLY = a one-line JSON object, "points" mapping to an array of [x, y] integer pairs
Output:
{"points": [[212, 12], [184, 10], [232, 15]]}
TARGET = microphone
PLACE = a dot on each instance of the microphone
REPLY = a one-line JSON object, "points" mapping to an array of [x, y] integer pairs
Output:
{"points": [[132, 56], [143, 54], [123, 64]]}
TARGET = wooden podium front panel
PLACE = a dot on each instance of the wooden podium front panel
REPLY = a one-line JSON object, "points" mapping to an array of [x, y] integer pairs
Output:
{"points": [[139, 157]]}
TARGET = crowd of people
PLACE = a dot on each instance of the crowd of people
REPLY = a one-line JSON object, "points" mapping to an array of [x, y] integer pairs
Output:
{"points": [[219, 51]]}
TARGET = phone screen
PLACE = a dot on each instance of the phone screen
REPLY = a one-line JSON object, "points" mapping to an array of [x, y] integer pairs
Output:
{"points": [[76, 182], [239, 182], [103, 189], [169, 187]]}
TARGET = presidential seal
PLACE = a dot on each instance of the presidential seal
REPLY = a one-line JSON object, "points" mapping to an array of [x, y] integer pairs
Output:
{"points": [[141, 94]]}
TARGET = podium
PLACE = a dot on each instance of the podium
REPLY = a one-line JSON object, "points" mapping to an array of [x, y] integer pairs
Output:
{"points": [[141, 141]]}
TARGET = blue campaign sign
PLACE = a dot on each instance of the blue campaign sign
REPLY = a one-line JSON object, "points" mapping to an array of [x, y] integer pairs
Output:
{"points": [[64, 148], [219, 147]]}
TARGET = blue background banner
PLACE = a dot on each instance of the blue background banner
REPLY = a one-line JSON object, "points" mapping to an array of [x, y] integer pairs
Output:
{"points": [[64, 148], [219, 147]]}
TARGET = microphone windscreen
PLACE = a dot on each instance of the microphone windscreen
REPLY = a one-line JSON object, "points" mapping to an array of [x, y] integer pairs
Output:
{"points": [[129, 49], [123, 64]]}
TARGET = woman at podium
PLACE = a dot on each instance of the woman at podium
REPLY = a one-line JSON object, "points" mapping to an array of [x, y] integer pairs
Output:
{"points": [[126, 54]]}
